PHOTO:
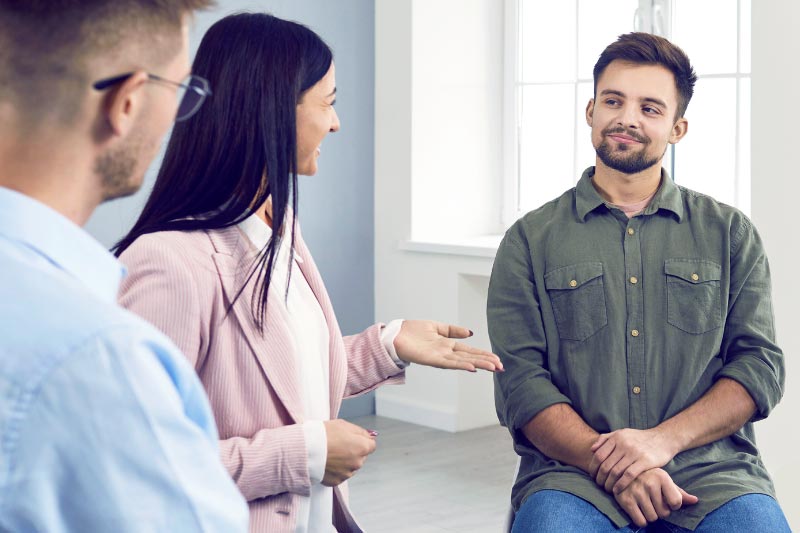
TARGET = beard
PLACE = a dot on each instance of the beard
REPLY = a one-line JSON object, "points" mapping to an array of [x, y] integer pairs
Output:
{"points": [[116, 170], [625, 159]]}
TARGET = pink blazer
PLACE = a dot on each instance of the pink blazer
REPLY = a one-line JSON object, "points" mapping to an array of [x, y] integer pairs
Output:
{"points": [[182, 282]]}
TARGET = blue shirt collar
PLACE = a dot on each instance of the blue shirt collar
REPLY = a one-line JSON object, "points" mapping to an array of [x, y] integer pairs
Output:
{"points": [[61, 242]]}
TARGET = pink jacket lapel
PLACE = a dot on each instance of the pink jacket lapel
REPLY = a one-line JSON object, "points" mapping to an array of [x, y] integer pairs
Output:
{"points": [[273, 349]]}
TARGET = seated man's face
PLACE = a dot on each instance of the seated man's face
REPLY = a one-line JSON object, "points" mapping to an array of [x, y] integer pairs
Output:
{"points": [[633, 116]]}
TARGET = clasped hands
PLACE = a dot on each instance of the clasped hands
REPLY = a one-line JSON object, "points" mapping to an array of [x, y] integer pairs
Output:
{"points": [[627, 463]]}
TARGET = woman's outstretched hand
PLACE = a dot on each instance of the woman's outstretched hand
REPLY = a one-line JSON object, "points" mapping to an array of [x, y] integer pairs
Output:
{"points": [[430, 343]]}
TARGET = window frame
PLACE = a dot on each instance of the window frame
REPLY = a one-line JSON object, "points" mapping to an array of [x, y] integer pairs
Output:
{"points": [[511, 197]]}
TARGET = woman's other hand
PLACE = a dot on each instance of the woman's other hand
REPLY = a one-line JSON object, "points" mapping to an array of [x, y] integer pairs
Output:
{"points": [[430, 343], [348, 448]]}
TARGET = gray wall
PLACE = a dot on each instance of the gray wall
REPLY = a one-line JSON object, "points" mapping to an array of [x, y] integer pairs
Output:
{"points": [[336, 205]]}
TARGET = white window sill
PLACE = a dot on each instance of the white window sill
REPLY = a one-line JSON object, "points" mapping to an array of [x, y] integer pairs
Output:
{"points": [[479, 246]]}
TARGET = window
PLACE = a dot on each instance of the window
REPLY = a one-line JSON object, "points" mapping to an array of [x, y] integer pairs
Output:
{"points": [[551, 48]]}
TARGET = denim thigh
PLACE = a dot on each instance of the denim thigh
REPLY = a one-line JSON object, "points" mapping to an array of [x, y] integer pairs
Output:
{"points": [[751, 513], [556, 511]]}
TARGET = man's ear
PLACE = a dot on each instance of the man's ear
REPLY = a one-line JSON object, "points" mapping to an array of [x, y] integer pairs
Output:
{"points": [[589, 111], [123, 102], [679, 130]]}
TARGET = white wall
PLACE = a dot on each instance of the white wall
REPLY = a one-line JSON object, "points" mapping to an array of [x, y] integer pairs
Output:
{"points": [[438, 113], [457, 112], [776, 190]]}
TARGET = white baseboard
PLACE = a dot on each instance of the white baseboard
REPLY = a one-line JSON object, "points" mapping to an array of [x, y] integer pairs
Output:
{"points": [[424, 414]]}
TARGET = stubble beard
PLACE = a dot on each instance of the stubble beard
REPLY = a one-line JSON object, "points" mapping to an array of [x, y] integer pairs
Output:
{"points": [[116, 171], [631, 163]]}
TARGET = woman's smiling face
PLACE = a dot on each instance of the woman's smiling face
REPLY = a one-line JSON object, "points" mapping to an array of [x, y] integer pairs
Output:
{"points": [[316, 117]]}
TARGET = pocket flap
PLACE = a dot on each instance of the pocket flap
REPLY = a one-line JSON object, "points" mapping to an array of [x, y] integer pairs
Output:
{"points": [[572, 276], [693, 270]]}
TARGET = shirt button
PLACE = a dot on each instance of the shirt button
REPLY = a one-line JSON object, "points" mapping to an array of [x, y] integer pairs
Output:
{"points": [[630, 231], [635, 332], [634, 280], [573, 283], [695, 277], [637, 389]]}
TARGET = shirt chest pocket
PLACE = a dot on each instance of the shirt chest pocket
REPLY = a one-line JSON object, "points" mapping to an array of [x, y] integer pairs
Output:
{"points": [[578, 298], [693, 295]]}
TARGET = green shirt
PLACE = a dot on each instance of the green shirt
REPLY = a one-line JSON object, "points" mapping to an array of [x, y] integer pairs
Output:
{"points": [[630, 321]]}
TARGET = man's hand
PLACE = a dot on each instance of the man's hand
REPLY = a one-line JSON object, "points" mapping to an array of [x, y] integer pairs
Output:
{"points": [[431, 343], [651, 496], [348, 447], [621, 456]]}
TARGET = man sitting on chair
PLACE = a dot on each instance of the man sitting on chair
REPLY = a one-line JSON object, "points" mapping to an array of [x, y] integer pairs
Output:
{"points": [[634, 320]]}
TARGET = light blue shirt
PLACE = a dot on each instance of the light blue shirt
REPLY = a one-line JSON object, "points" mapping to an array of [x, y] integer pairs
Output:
{"points": [[104, 426]]}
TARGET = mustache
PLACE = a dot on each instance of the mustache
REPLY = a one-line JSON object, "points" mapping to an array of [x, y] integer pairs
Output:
{"points": [[634, 135]]}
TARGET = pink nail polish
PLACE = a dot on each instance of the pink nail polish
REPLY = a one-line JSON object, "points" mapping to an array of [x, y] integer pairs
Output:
{"points": [[372, 433]]}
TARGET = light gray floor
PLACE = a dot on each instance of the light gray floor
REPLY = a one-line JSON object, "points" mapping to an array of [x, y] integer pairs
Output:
{"points": [[422, 480]]}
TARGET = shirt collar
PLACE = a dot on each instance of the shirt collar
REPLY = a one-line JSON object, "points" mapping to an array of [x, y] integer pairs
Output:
{"points": [[668, 196], [258, 233], [256, 230], [61, 242]]}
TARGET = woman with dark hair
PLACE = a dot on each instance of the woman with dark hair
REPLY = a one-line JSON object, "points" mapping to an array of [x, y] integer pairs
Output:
{"points": [[217, 262]]}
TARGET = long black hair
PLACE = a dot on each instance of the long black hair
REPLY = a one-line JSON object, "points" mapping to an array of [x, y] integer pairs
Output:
{"points": [[212, 176]]}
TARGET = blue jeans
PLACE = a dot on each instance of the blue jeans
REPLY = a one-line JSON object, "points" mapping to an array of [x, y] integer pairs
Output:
{"points": [[561, 512]]}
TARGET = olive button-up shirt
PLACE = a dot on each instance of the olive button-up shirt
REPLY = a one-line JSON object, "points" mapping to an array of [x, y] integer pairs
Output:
{"points": [[630, 321]]}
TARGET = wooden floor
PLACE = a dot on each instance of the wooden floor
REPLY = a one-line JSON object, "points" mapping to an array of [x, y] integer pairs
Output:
{"points": [[422, 480]]}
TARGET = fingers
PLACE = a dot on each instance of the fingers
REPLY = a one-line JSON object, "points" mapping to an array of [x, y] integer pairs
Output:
{"points": [[656, 493], [648, 509], [452, 331], [477, 358], [600, 454], [371, 445], [602, 439], [627, 477], [688, 499], [672, 496], [471, 350], [483, 363], [432, 344], [607, 465], [614, 475], [348, 447], [631, 506], [362, 440], [346, 426]]}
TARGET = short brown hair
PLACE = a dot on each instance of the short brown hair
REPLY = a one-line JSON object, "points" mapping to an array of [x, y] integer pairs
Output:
{"points": [[649, 49], [48, 46]]}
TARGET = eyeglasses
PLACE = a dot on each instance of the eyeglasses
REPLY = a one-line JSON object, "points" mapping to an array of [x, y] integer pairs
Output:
{"points": [[192, 91]]}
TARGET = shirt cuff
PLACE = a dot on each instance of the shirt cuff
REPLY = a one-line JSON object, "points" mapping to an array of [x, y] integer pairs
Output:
{"points": [[317, 448], [388, 334]]}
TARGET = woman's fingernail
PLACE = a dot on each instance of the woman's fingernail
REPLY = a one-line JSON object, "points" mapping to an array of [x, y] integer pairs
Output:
{"points": [[372, 433], [471, 333]]}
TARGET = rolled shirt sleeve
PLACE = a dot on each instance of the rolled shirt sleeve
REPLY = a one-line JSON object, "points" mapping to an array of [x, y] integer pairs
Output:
{"points": [[517, 335], [750, 353]]}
